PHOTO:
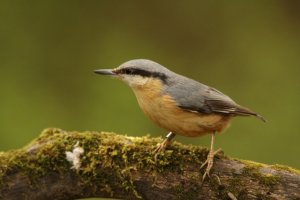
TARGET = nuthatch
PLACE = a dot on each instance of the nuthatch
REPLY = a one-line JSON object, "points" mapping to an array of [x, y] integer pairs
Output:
{"points": [[181, 105]]}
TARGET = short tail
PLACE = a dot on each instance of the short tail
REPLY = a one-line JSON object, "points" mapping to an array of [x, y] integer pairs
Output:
{"points": [[242, 111]]}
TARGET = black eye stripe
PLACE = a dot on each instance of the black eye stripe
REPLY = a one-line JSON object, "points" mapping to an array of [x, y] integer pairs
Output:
{"points": [[141, 72]]}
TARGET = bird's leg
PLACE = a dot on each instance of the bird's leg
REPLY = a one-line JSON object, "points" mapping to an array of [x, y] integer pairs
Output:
{"points": [[210, 157], [165, 143]]}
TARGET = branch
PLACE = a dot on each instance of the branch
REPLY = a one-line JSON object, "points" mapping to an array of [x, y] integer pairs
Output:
{"points": [[70, 165]]}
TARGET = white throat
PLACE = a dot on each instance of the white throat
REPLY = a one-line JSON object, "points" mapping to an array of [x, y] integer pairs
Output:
{"points": [[134, 80]]}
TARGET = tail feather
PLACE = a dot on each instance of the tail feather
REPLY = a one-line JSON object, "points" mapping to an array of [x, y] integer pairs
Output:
{"points": [[247, 112]]}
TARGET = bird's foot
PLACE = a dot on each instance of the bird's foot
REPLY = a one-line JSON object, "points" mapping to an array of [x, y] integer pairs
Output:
{"points": [[209, 162], [162, 146]]}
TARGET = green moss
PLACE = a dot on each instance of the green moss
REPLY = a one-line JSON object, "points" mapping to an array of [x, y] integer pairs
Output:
{"points": [[109, 160], [181, 193], [187, 189], [253, 169], [109, 152], [285, 168], [236, 189], [37, 158], [234, 185], [252, 164]]}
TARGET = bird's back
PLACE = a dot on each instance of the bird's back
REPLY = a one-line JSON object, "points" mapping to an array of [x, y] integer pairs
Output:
{"points": [[194, 96]]}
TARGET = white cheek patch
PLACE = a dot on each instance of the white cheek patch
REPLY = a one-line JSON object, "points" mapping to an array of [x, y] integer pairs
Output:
{"points": [[135, 80]]}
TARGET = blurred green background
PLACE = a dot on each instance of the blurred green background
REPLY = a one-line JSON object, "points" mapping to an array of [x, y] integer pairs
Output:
{"points": [[249, 50]]}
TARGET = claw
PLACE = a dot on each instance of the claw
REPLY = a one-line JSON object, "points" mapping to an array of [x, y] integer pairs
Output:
{"points": [[162, 146], [210, 158]]}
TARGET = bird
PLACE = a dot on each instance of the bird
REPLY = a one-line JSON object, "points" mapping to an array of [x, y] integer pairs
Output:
{"points": [[179, 104]]}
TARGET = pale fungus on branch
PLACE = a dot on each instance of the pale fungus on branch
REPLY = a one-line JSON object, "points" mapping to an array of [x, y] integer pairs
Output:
{"points": [[74, 156]]}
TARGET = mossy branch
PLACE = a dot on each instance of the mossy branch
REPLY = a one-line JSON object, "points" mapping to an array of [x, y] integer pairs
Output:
{"points": [[109, 165]]}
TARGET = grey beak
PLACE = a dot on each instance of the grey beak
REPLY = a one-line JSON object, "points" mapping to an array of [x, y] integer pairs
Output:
{"points": [[104, 71]]}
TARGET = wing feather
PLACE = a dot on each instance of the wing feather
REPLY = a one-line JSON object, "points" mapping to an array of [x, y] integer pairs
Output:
{"points": [[198, 98]]}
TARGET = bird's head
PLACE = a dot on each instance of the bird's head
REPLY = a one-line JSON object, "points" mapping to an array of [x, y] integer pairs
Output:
{"points": [[137, 72]]}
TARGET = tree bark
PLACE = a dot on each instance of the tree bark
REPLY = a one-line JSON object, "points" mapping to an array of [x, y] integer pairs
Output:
{"points": [[71, 165]]}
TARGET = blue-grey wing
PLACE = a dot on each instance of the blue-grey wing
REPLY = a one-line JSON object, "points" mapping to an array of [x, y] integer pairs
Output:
{"points": [[193, 96]]}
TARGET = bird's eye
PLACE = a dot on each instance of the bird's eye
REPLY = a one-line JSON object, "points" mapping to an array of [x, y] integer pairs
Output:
{"points": [[128, 71]]}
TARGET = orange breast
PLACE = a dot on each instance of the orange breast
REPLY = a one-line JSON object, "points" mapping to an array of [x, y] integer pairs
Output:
{"points": [[162, 110]]}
